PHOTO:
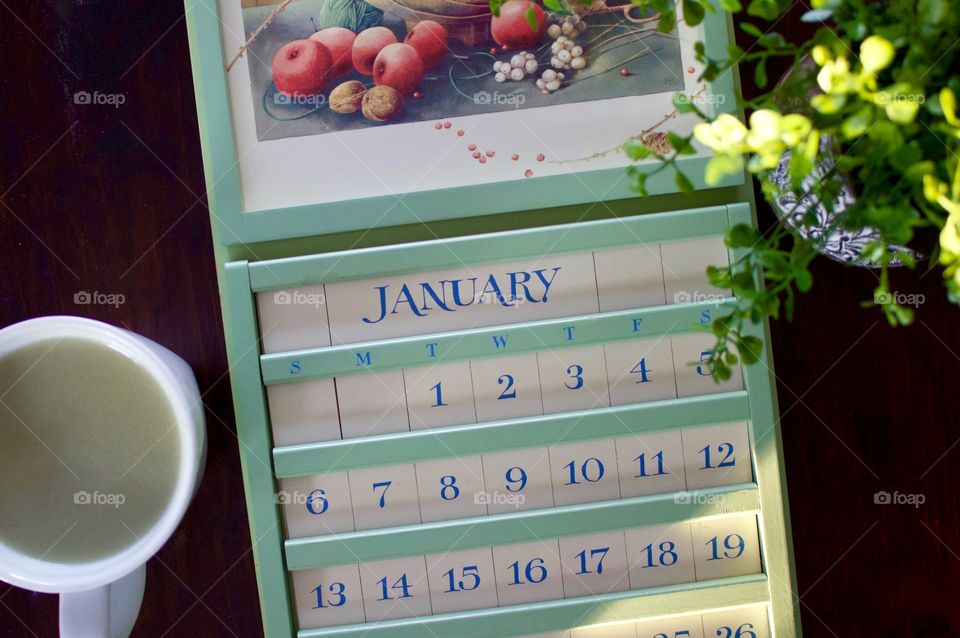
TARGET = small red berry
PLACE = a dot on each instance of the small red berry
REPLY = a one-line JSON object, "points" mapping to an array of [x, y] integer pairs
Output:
{"points": [[514, 157], [483, 160], [471, 147], [493, 51], [540, 157], [624, 72], [528, 173], [447, 125], [691, 69], [417, 94], [438, 126], [490, 153], [476, 155], [460, 133]]}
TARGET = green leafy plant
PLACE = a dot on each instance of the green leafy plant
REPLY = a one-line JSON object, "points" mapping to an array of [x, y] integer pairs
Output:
{"points": [[874, 93]]}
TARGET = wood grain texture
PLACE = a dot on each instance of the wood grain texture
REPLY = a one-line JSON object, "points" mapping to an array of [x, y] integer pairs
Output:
{"points": [[96, 198]]}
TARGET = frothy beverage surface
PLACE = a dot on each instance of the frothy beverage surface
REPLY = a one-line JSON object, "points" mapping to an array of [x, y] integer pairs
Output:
{"points": [[89, 450]]}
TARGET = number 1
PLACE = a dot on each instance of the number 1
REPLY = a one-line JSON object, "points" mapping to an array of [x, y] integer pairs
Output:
{"points": [[438, 391]]}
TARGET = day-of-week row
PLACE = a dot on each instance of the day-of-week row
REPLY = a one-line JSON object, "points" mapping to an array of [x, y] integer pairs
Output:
{"points": [[541, 570], [519, 480], [741, 622], [495, 388], [638, 276]]}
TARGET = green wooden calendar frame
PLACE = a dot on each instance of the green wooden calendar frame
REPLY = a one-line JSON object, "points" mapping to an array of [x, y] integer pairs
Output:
{"points": [[236, 225], [263, 464]]}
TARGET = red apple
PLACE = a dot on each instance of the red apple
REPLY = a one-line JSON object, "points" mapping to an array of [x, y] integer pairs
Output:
{"points": [[511, 28], [429, 38], [398, 66], [302, 67], [339, 41], [367, 45]]}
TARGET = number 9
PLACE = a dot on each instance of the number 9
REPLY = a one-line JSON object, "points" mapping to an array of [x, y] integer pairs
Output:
{"points": [[512, 478]]}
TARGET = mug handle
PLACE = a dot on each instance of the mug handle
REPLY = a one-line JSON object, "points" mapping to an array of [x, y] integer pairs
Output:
{"points": [[106, 612]]}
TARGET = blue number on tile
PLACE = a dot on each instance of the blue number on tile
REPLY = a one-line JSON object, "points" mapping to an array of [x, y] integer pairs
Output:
{"points": [[642, 460], [706, 360], [664, 556], [641, 369], [585, 471], [733, 546], [439, 392], [337, 597], [317, 502], [683, 633], [728, 460], [449, 489], [516, 475], [533, 573], [575, 372], [468, 581], [383, 495], [600, 551], [400, 585], [743, 631], [509, 392]]}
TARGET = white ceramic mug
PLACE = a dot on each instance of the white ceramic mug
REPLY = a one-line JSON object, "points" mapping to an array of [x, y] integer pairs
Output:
{"points": [[101, 599]]}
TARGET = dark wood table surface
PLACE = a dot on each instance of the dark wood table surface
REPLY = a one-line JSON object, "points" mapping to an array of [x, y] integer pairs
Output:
{"points": [[111, 199]]}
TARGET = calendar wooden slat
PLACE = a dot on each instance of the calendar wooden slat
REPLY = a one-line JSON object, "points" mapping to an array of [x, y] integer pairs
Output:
{"points": [[442, 253], [503, 529], [526, 619], [483, 342], [407, 447], [767, 449], [265, 528]]}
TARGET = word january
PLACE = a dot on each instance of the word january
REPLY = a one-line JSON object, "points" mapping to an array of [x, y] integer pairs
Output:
{"points": [[450, 295]]}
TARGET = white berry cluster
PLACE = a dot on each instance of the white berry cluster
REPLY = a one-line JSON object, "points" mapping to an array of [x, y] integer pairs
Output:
{"points": [[567, 54], [550, 81], [571, 26], [520, 65]]}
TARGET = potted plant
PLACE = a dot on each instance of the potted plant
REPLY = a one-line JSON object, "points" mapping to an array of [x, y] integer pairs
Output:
{"points": [[860, 139]]}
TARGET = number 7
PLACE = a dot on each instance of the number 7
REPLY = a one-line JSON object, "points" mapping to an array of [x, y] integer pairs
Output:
{"points": [[383, 495]]}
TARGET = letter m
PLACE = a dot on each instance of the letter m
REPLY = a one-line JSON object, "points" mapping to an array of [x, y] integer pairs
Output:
{"points": [[363, 358]]}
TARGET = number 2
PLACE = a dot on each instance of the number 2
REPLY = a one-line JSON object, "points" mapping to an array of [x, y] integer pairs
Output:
{"points": [[509, 392]]}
